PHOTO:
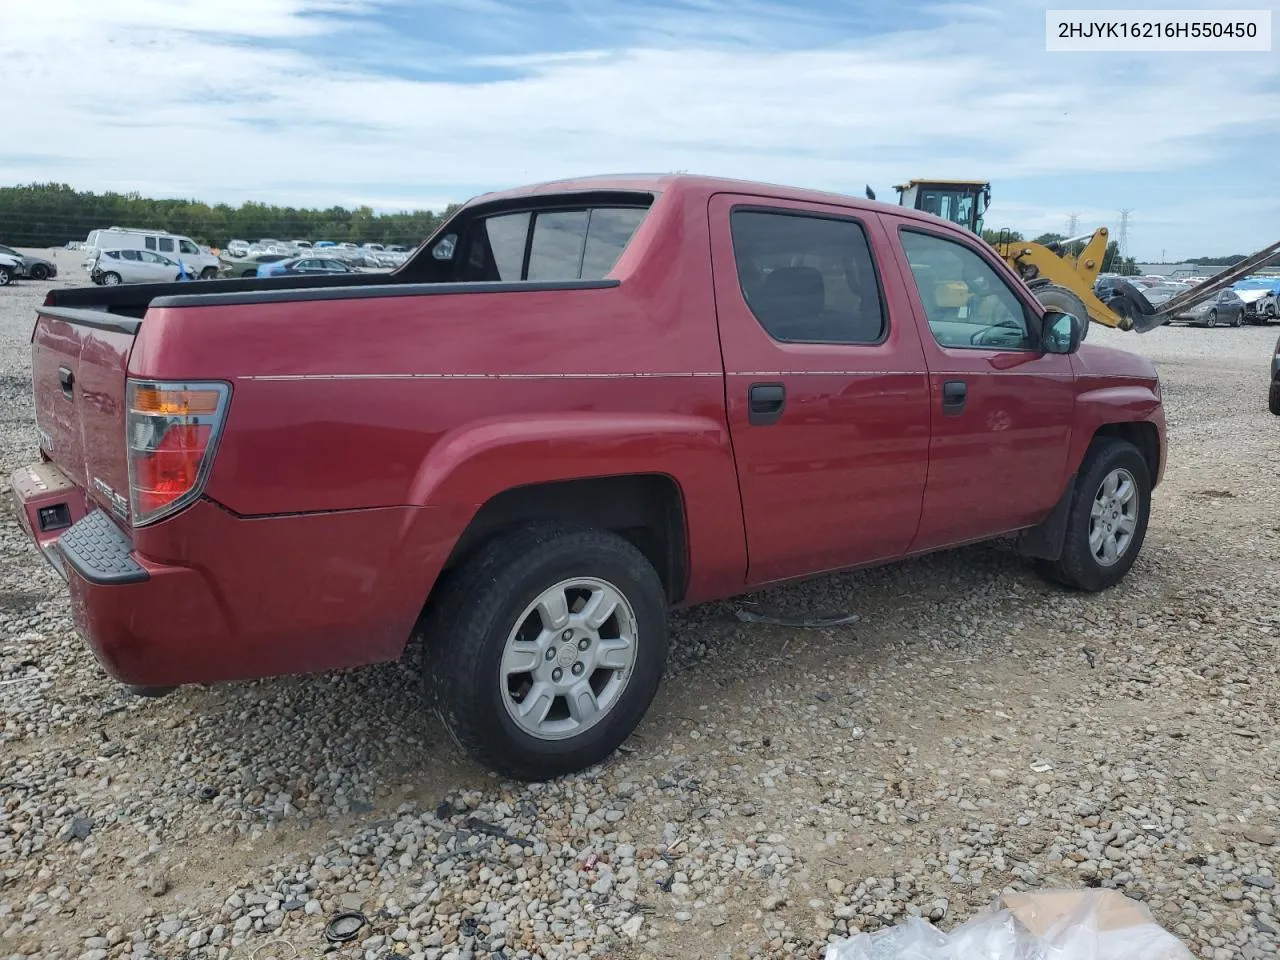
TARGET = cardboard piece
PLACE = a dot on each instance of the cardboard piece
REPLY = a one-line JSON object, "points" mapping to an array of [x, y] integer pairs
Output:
{"points": [[1043, 914]]}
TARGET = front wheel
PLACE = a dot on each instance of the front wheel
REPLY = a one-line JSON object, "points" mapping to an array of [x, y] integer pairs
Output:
{"points": [[1239, 319], [1213, 319], [546, 648], [1107, 520], [1273, 398], [1057, 297], [208, 273]]}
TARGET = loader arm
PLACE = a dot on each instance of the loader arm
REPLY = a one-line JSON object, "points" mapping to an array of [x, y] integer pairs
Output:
{"points": [[1039, 264], [1203, 291]]}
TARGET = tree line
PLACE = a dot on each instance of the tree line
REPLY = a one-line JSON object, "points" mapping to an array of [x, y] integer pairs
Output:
{"points": [[51, 214]]}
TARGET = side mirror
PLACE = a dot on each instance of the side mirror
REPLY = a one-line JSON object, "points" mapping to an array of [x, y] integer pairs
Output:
{"points": [[1062, 332]]}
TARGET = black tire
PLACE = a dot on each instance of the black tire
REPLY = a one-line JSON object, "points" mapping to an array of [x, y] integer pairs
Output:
{"points": [[39, 272], [208, 273], [1239, 319], [6, 277], [110, 278], [475, 608], [1060, 298], [1273, 398], [1077, 568], [1212, 319]]}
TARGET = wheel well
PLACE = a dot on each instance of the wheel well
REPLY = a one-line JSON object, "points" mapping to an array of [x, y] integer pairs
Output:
{"points": [[646, 509], [1142, 435]]}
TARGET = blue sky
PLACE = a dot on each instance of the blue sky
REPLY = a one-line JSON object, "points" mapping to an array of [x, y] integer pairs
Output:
{"points": [[417, 103]]}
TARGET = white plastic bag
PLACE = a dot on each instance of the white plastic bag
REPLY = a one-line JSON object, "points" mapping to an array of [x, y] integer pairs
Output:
{"points": [[1049, 925]]}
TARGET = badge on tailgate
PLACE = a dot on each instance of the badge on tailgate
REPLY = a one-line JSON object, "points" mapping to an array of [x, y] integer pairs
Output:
{"points": [[118, 503]]}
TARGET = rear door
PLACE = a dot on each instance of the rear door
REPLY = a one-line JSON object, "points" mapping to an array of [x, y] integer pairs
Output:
{"points": [[827, 394], [1002, 408]]}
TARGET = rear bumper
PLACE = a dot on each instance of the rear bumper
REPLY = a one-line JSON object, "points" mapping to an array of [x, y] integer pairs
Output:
{"points": [[208, 597]]}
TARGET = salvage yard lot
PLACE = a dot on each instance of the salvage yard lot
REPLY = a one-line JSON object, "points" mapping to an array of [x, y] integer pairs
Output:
{"points": [[975, 730]]}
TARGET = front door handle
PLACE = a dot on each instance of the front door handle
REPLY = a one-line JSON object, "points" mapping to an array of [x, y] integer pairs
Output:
{"points": [[954, 394], [766, 403]]}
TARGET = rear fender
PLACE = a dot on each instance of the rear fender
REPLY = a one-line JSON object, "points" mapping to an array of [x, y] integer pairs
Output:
{"points": [[476, 461]]}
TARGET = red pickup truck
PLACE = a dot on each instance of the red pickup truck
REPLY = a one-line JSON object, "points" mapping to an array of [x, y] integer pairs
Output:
{"points": [[577, 406]]}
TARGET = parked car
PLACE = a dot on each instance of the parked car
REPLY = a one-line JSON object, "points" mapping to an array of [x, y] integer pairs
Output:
{"points": [[579, 405], [1268, 308], [238, 248], [1162, 292], [298, 265], [248, 266], [173, 246], [113, 267], [1273, 395], [1225, 309], [35, 268], [9, 269]]}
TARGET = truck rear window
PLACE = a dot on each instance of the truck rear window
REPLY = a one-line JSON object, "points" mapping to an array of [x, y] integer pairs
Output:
{"points": [[549, 245]]}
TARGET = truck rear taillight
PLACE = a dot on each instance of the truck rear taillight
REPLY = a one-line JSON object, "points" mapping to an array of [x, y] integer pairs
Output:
{"points": [[172, 430]]}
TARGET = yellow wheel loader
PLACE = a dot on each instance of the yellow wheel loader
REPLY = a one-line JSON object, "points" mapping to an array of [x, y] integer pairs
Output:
{"points": [[1055, 276]]}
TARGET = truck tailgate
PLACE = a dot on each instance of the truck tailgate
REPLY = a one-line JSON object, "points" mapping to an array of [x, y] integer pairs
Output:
{"points": [[78, 365]]}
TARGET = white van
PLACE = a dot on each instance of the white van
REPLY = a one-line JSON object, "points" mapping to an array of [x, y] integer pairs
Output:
{"points": [[174, 246]]}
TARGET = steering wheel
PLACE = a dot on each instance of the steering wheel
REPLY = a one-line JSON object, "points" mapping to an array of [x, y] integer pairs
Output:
{"points": [[997, 336]]}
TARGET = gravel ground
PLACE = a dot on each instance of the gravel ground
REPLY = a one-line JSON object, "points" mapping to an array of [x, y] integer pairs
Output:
{"points": [[976, 731]]}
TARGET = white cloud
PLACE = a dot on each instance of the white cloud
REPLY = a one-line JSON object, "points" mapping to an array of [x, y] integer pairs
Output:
{"points": [[220, 101]]}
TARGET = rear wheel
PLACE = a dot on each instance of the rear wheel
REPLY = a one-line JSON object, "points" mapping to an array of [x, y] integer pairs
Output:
{"points": [[110, 279], [5, 276], [1107, 520], [1273, 398], [1239, 319], [546, 647], [1058, 297], [39, 272]]}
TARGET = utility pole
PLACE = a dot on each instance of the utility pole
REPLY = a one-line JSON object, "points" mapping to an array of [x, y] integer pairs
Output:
{"points": [[1123, 239]]}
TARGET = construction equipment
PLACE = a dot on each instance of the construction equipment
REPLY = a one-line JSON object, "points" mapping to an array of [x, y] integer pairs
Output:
{"points": [[1056, 276]]}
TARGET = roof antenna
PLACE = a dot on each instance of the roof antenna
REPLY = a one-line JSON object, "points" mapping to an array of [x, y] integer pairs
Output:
{"points": [[871, 194]]}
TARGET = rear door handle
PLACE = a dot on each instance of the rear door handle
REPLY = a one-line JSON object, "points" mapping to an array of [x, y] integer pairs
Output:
{"points": [[954, 394], [766, 403], [65, 379]]}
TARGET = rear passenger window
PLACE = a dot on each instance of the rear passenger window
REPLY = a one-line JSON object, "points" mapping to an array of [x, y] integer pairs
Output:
{"points": [[558, 239], [582, 244], [808, 279], [166, 245], [506, 235], [150, 242], [607, 235]]}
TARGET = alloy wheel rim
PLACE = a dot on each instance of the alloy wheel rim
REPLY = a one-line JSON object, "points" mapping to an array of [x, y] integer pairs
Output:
{"points": [[1113, 518], [568, 658]]}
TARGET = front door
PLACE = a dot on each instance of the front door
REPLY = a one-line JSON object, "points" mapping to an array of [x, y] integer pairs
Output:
{"points": [[1002, 408], [827, 391]]}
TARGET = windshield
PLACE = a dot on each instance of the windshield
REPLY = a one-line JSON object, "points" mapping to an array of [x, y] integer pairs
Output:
{"points": [[953, 205]]}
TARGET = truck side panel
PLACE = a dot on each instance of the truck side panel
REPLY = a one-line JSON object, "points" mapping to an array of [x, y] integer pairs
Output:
{"points": [[390, 401]]}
